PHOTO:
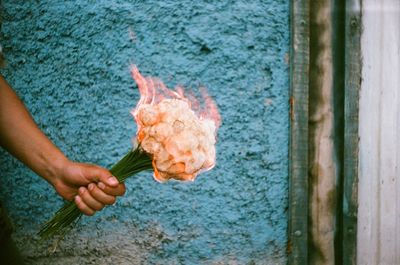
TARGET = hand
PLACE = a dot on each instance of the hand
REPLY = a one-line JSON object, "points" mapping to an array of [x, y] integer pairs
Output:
{"points": [[20, 136], [92, 187]]}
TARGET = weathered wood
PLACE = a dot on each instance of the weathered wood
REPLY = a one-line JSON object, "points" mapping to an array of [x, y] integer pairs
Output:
{"points": [[298, 167], [351, 99], [378, 237], [323, 173]]}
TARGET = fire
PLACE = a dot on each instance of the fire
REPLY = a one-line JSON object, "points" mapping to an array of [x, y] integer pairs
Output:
{"points": [[176, 129]]}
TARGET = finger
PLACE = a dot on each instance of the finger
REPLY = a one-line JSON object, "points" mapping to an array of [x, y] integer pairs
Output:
{"points": [[101, 196], [96, 174], [88, 198], [83, 207], [117, 191]]}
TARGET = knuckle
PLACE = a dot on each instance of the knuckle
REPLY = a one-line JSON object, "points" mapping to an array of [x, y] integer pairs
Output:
{"points": [[97, 194], [103, 174], [98, 207], [88, 213], [94, 204], [86, 200], [94, 192], [111, 200], [123, 189], [106, 190]]}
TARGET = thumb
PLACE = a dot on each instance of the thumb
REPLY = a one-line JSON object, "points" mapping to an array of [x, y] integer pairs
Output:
{"points": [[96, 174]]}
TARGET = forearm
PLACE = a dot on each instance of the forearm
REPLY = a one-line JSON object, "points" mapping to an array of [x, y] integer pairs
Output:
{"points": [[20, 136]]}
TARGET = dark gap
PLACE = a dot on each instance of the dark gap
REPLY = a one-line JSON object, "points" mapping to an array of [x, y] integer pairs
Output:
{"points": [[338, 39], [313, 99]]}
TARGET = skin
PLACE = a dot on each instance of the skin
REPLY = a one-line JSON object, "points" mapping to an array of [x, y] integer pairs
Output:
{"points": [[90, 186]]}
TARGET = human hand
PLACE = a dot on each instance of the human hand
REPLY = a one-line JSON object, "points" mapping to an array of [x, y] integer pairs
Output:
{"points": [[92, 187], [20, 136]]}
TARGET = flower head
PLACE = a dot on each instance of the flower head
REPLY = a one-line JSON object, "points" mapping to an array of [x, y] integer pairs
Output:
{"points": [[180, 141]]}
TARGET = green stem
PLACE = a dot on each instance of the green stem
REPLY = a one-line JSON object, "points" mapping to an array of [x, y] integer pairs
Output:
{"points": [[133, 162]]}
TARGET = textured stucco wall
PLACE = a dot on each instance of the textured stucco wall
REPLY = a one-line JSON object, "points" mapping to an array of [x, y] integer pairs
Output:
{"points": [[69, 61]]}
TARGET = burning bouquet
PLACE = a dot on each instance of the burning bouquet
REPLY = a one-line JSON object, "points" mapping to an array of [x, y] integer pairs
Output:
{"points": [[175, 138]]}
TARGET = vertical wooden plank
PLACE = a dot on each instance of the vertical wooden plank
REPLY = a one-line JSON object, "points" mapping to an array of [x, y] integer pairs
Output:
{"points": [[378, 240], [323, 164], [389, 252], [298, 167], [369, 130], [351, 99], [368, 192]]}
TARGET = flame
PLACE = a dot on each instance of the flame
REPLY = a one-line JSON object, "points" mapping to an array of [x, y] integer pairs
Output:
{"points": [[153, 91]]}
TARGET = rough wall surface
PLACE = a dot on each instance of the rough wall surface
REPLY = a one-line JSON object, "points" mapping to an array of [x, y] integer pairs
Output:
{"points": [[69, 61]]}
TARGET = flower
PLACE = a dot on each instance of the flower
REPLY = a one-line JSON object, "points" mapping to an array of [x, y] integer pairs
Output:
{"points": [[181, 144], [176, 138], [177, 131]]}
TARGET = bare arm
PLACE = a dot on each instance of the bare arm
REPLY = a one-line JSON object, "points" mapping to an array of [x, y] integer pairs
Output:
{"points": [[20, 136]]}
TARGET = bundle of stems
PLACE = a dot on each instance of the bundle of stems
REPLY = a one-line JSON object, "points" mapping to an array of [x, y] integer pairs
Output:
{"points": [[135, 161]]}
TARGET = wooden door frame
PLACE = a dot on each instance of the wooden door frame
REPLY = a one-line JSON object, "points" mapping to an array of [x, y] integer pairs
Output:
{"points": [[298, 239]]}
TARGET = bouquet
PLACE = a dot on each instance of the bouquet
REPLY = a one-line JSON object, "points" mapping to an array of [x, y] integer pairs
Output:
{"points": [[176, 138]]}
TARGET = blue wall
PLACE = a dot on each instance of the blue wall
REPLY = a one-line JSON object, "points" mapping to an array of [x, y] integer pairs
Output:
{"points": [[70, 64]]}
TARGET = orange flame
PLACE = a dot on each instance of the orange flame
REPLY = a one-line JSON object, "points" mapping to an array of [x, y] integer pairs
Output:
{"points": [[153, 91]]}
